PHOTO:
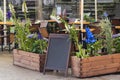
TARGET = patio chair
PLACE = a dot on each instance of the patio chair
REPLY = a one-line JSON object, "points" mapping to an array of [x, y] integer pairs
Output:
{"points": [[2, 36], [43, 30]]}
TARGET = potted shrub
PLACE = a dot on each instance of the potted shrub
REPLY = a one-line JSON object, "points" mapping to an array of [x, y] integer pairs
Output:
{"points": [[30, 52], [87, 62], [93, 64]]}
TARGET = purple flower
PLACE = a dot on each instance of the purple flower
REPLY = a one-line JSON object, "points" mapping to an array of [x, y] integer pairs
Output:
{"points": [[116, 35], [30, 36], [40, 36], [9, 14], [35, 36]]}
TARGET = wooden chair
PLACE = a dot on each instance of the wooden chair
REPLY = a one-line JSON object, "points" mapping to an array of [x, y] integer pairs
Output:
{"points": [[2, 36], [43, 30]]}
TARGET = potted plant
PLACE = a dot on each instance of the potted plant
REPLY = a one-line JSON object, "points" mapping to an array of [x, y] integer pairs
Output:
{"points": [[30, 52], [92, 63], [87, 62], [116, 45]]}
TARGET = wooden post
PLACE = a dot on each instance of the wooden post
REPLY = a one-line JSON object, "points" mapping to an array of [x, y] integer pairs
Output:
{"points": [[5, 33], [82, 11], [95, 10], [39, 10], [82, 15]]}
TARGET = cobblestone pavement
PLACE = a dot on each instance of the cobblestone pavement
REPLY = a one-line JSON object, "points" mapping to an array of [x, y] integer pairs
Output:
{"points": [[10, 72]]}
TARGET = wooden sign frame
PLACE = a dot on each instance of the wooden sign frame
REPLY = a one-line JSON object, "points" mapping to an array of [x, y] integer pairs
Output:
{"points": [[58, 53]]}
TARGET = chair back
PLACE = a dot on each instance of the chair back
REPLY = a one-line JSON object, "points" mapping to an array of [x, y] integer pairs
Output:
{"points": [[43, 29]]}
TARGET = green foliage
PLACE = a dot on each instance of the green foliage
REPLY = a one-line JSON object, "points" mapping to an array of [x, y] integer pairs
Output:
{"points": [[74, 34], [106, 34], [22, 31], [89, 19], [39, 46], [116, 45], [36, 45], [93, 48], [53, 12], [1, 15], [82, 52]]}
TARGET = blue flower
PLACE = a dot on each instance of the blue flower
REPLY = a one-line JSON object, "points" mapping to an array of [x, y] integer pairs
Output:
{"points": [[105, 14], [89, 36], [9, 15]]}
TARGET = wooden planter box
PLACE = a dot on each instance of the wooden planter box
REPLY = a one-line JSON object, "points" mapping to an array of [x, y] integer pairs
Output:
{"points": [[29, 60], [96, 65]]}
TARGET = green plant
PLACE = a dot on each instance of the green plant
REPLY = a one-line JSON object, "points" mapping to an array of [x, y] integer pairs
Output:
{"points": [[36, 44], [116, 44], [21, 29], [73, 33], [93, 48], [89, 18], [21, 35], [1, 15], [39, 46], [82, 52], [106, 35], [32, 44]]}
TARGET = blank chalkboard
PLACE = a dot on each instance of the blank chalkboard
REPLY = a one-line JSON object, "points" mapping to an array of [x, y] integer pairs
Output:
{"points": [[58, 52]]}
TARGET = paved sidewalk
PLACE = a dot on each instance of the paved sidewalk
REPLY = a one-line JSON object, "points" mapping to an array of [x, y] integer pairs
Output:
{"points": [[10, 72]]}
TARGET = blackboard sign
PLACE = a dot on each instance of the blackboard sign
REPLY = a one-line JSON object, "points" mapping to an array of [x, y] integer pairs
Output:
{"points": [[58, 52]]}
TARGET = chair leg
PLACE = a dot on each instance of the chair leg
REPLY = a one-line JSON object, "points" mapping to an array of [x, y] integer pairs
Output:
{"points": [[9, 47], [9, 42], [1, 47], [1, 44], [9, 39]]}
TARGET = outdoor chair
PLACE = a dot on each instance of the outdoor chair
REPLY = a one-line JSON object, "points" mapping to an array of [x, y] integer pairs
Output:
{"points": [[44, 32], [2, 36], [43, 29]]}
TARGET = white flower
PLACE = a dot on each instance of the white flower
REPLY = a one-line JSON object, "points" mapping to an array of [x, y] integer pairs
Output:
{"points": [[37, 22], [24, 7], [56, 18], [11, 7], [1, 14]]}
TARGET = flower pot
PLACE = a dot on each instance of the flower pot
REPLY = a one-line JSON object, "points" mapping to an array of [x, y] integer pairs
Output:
{"points": [[28, 60], [96, 65]]}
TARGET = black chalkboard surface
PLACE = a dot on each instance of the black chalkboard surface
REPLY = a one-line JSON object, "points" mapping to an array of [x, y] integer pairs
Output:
{"points": [[58, 52]]}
